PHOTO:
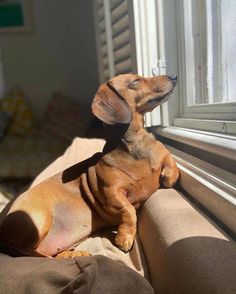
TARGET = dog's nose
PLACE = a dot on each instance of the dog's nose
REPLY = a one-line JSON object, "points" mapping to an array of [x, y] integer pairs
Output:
{"points": [[173, 77]]}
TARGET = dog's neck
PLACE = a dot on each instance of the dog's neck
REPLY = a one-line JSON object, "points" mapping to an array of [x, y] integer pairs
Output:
{"points": [[114, 135], [136, 126], [124, 133]]}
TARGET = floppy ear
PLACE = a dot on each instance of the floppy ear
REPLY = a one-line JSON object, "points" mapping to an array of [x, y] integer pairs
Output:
{"points": [[110, 107]]}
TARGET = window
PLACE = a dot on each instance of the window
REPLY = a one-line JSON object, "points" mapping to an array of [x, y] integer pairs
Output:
{"points": [[188, 37], [207, 64], [194, 39], [209, 51]]}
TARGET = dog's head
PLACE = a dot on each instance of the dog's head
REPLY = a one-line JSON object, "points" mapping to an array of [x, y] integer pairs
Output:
{"points": [[116, 100]]}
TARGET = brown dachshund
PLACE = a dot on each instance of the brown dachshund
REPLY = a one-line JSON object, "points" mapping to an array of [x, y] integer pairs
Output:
{"points": [[105, 190]]}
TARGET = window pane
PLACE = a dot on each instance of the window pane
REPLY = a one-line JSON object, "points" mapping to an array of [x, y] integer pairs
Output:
{"points": [[210, 31], [228, 19]]}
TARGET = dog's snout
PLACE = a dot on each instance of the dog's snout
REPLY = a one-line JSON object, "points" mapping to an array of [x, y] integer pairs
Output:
{"points": [[173, 77]]}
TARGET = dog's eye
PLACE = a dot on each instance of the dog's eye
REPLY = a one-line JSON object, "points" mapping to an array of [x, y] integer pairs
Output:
{"points": [[133, 84]]}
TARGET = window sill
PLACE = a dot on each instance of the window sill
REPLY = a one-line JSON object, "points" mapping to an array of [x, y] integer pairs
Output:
{"points": [[211, 187], [218, 126], [217, 149]]}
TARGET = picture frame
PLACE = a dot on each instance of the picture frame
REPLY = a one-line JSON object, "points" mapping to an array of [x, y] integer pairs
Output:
{"points": [[15, 16]]}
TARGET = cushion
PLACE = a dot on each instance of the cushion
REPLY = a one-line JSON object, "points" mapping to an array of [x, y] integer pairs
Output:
{"points": [[4, 122], [26, 157], [3, 202], [186, 252], [15, 105], [62, 118]]}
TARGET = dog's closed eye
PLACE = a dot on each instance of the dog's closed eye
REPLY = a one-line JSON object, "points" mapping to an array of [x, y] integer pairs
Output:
{"points": [[134, 83]]}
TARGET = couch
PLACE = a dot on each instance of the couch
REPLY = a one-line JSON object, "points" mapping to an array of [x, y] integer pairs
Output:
{"points": [[178, 248]]}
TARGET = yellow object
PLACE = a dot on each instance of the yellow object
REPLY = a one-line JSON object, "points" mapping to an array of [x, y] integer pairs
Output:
{"points": [[21, 116]]}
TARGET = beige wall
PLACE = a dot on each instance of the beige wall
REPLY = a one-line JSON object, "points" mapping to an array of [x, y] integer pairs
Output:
{"points": [[58, 55]]}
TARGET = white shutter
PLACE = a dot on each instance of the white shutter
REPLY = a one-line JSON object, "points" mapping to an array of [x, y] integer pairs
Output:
{"points": [[115, 37]]}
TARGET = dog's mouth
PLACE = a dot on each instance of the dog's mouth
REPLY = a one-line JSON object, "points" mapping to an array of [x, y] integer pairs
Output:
{"points": [[154, 102], [159, 100]]}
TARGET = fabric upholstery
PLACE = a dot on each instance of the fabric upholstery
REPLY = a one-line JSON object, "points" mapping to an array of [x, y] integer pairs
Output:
{"points": [[4, 122], [16, 106], [26, 157], [79, 150], [185, 251], [80, 275]]}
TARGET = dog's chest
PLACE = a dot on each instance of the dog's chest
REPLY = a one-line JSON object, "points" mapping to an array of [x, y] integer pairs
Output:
{"points": [[138, 161], [143, 165], [144, 150], [148, 176], [142, 180]]}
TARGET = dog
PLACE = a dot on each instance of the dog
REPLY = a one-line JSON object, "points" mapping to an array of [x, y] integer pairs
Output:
{"points": [[104, 190]]}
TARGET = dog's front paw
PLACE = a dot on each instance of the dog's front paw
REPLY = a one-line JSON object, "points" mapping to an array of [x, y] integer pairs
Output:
{"points": [[169, 177], [124, 241]]}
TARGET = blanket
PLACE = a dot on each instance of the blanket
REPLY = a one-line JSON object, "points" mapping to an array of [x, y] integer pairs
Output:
{"points": [[80, 275]]}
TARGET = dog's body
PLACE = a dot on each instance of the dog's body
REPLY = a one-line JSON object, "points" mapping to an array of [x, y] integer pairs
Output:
{"points": [[104, 190]]}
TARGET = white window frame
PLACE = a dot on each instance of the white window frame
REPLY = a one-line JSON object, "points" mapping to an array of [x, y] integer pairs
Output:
{"points": [[147, 50], [152, 24], [218, 117]]}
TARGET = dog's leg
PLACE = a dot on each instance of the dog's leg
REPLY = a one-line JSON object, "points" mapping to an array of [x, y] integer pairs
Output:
{"points": [[127, 229], [119, 205], [170, 171], [24, 231]]}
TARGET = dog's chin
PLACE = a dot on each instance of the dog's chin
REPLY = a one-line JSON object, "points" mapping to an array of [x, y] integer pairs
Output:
{"points": [[159, 100], [156, 101]]}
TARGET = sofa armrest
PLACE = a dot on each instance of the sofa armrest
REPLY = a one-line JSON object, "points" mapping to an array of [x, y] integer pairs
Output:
{"points": [[185, 251]]}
